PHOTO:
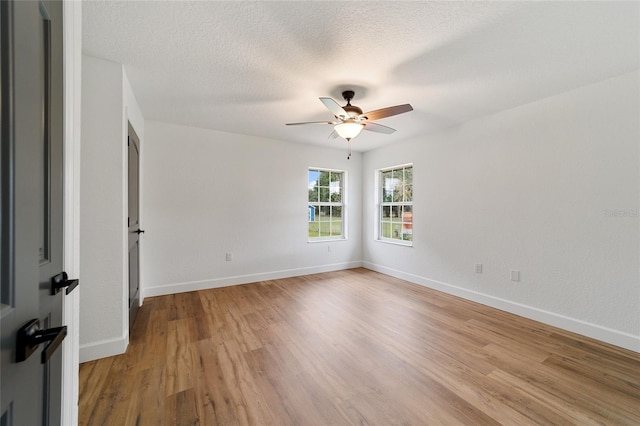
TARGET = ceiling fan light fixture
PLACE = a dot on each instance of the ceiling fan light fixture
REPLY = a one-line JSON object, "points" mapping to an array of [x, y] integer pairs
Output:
{"points": [[348, 130]]}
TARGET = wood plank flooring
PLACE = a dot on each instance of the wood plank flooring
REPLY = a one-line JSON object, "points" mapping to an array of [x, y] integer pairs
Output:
{"points": [[353, 348]]}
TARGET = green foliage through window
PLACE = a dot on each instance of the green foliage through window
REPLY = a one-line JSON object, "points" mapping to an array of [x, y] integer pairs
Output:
{"points": [[396, 204], [326, 197]]}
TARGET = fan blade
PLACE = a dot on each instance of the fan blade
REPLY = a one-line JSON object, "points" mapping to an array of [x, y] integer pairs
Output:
{"points": [[311, 122], [387, 112], [378, 128], [334, 107], [333, 135]]}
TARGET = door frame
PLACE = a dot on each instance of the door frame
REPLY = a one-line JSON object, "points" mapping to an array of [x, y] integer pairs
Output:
{"points": [[133, 305], [72, 70]]}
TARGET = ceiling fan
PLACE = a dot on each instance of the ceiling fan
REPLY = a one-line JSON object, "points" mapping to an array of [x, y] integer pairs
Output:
{"points": [[350, 120]]}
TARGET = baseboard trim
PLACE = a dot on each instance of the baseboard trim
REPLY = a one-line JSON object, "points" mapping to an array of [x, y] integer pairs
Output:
{"points": [[103, 348], [243, 279], [604, 334]]}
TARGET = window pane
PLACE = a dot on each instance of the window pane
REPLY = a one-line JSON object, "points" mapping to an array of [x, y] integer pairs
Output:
{"points": [[386, 229], [323, 179], [336, 197], [386, 212], [408, 176], [395, 213], [314, 229], [335, 187], [324, 194], [396, 230], [397, 195], [397, 187], [313, 185], [336, 213], [336, 227], [408, 193], [325, 229], [398, 178], [392, 183], [386, 195], [313, 194], [387, 186], [407, 222], [325, 213]]}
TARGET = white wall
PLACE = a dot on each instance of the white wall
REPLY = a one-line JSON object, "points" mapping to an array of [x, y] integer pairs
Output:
{"points": [[551, 189], [207, 193], [131, 109], [101, 204], [107, 104]]}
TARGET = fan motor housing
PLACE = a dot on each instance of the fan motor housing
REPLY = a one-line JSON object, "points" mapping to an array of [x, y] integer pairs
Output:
{"points": [[352, 110]]}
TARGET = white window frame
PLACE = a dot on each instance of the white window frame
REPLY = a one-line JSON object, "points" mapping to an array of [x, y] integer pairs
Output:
{"points": [[381, 204], [342, 204]]}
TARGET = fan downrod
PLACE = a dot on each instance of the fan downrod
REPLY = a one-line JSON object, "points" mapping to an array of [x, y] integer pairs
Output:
{"points": [[348, 95], [352, 110]]}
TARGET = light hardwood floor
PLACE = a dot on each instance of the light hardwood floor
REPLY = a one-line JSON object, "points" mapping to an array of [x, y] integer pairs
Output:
{"points": [[353, 348]]}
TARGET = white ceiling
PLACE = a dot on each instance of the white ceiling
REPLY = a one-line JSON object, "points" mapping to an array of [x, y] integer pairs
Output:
{"points": [[250, 67]]}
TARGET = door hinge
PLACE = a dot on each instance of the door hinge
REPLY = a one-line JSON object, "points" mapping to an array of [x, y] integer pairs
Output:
{"points": [[128, 141], [128, 222]]}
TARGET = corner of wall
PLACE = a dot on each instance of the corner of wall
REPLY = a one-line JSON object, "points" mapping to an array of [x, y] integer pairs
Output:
{"points": [[183, 287], [530, 188], [103, 348], [594, 331]]}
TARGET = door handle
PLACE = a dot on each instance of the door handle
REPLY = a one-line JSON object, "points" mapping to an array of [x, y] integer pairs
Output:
{"points": [[30, 336], [61, 281], [139, 231]]}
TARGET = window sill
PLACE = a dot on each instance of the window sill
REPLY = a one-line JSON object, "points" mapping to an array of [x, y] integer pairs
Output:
{"points": [[395, 242], [325, 239]]}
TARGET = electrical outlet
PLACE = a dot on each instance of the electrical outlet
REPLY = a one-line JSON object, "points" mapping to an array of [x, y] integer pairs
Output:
{"points": [[329, 249], [478, 268], [229, 257], [515, 275]]}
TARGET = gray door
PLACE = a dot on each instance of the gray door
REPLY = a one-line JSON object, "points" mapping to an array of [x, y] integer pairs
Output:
{"points": [[31, 225], [134, 224]]}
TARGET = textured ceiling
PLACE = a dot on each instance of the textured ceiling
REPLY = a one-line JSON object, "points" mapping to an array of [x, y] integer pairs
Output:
{"points": [[250, 67]]}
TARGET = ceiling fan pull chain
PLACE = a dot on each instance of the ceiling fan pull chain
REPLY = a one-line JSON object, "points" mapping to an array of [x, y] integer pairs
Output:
{"points": [[349, 154]]}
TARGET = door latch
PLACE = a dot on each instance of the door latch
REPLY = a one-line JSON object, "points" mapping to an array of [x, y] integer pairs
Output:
{"points": [[30, 336], [61, 281]]}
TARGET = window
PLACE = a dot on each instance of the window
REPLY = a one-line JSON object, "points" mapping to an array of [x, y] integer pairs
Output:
{"points": [[396, 204], [326, 204]]}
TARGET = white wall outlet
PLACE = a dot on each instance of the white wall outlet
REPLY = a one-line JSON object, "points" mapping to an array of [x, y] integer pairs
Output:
{"points": [[478, 268], [515, 275], [229, 257], [329, 249]]}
